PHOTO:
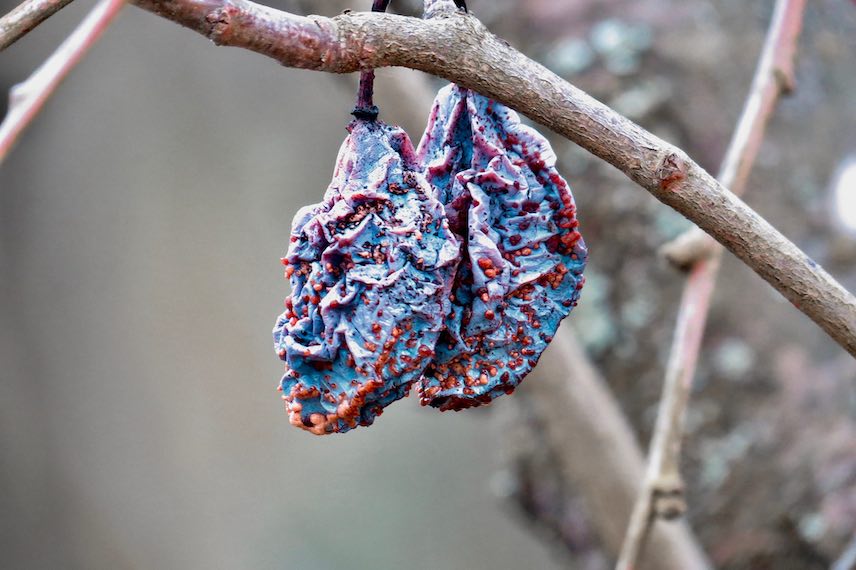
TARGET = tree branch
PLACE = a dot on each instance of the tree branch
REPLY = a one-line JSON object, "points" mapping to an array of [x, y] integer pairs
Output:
{"points": [[773, 78], [27, 99], [662, 492], [20, 21], [597, 451], [459, 48]]}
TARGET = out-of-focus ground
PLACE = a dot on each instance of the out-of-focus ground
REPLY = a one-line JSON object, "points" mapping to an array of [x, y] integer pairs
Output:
{"points": [[141, 221]]}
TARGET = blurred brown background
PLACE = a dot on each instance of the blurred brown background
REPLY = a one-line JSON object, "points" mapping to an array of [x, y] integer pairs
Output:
{"points": [[142, 218]]}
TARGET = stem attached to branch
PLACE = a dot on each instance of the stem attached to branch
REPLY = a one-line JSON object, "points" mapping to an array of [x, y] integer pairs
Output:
{"points": [[662, 492], [27, 99], [365, 107], [20, 21], [459, 48]]}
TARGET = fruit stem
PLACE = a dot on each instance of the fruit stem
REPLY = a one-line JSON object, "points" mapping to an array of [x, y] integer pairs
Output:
{"points": [[365, 108]]}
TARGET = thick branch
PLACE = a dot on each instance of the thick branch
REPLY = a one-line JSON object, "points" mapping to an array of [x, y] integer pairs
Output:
{"points": [[662, 492], [20, 21], [459, 48], [27, 99]]}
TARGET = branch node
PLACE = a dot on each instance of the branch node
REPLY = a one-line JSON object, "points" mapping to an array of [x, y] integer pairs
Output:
{"points": [[668, 500], [17, 94], [672, 171], [220, 21], [786, 81], [440, 9]]}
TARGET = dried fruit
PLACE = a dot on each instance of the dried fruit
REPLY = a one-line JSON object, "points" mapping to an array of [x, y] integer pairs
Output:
{"points": [[370, 269], [522, 256]]}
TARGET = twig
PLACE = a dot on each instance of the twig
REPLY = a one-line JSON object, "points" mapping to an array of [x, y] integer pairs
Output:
{"points": [[662, 493], [459, 48], [27, 99], [29, 14], [774, 77], [597, 450]]}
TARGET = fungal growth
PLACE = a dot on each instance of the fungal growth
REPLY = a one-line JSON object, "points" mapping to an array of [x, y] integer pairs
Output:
{"points": [[522, 256]]}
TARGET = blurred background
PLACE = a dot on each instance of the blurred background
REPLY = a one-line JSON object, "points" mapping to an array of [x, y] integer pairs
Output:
{"points": [[142, 218]]}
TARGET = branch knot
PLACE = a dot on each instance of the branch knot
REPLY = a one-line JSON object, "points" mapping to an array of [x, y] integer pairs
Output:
{"points": [[672, 171], [220, 21]]}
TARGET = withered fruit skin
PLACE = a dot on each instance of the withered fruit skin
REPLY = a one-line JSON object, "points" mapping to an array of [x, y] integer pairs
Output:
{"points": [[371, 268], [522, 256]]}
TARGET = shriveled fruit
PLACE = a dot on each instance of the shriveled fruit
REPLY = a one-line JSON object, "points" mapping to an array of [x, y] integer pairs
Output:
{"points": [[522, 256], [370, 267]]}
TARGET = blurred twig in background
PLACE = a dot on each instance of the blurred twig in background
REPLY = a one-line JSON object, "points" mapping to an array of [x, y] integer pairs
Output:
{"points": [[662, 492], [27, 99], [848, 557], [595, 449]]}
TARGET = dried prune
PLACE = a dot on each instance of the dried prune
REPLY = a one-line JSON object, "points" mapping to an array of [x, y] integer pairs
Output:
{"points": [[522, 254], [370, 267]]}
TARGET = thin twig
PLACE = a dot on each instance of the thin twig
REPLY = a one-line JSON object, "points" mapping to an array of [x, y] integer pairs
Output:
{"points": [[23, 19], [27, 99], [662, 493], [774, 77], [459, 48], [598, 451]]}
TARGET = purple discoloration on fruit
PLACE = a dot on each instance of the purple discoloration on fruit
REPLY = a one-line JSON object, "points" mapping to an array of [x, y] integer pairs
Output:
{"points": [[370, 268], [522, 257]]}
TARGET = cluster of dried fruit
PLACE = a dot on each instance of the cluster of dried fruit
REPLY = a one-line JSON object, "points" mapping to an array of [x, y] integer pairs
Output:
{"points": [[449, 267]]}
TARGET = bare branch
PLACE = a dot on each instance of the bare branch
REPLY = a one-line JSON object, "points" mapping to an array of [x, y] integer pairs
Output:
{"points": [[774, 77], [662, 492], [459, 48], [598, 451], [570, 452], [23, 19], [27, 99]]}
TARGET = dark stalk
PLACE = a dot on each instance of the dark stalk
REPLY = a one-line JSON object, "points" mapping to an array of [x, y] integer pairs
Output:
{"points": [[365, 108]]}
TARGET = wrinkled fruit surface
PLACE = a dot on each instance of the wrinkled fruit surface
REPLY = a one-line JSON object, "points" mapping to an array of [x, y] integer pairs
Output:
{"points": [[371, 269], [522, 257]]}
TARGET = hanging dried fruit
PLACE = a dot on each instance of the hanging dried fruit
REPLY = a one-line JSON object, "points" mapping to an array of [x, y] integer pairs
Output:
{"points": [[522, 255], [370, 268]]}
